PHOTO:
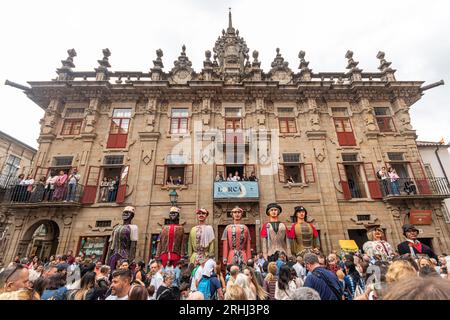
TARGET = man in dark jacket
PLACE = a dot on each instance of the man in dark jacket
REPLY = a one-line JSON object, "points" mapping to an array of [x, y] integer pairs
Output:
{"points": [[412, 245], [322, 280]]}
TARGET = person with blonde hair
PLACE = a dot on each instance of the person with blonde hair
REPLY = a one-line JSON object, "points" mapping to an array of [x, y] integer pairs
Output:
{"points": [[254, 285], [271, 280], [427, 288], [400, 269], [235, 292], [244, 282]]}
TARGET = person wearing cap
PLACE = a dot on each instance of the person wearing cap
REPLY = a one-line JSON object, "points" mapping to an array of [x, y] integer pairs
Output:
{"points": [[123, 239], [201, 237], [303, 233], [236, 240], [412, 245], [274, 234], [377, 246], [170, 245]]}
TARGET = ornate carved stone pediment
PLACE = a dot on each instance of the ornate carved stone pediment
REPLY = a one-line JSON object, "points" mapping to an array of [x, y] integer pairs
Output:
{"points": [[280, 71]]}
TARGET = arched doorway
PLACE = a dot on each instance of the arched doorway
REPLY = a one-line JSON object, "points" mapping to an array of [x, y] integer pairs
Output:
{"points": [[41, 239]]}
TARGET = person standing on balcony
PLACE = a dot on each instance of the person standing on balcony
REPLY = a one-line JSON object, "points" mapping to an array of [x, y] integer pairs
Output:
{"points": [[236, 176], [384, 176], [37, 194], [60, 186], [230, 177], [252, 177], [104, 189], [50, 187], [28, 183], [394, 181], [73, 182], [111, 189]]}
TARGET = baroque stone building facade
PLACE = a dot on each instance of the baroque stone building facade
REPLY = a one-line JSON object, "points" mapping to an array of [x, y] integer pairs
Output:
{"points": [[315, 139]]}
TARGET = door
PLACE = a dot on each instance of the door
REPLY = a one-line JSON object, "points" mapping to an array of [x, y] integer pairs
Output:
{"points": [[359, 236], [90, 189], [122, 190], [344, 181]]}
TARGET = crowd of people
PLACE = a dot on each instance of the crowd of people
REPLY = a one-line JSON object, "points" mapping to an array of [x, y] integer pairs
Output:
{"points": [[308, 276], [235, 177], [59, 186]]}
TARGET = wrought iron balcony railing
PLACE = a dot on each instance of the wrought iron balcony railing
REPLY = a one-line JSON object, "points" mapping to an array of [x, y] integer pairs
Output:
{"points": [[415, 187]]}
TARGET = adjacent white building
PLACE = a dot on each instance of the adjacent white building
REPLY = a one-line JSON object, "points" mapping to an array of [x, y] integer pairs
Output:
{"points": [[436, 159]]}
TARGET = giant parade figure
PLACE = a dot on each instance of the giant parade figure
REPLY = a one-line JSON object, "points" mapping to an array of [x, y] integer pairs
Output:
{"points": [[274, 234], [303, 234], [123, 239], [171, 240], [377, 247], [236, 240], [201, 238]]}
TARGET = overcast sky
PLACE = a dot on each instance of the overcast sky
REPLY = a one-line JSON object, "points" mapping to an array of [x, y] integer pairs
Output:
{"points": [[415, 35]]}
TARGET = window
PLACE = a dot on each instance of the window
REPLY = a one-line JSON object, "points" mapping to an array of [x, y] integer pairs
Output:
{"points": [[179, 121], [363, 217], [118, 131], [291, 157], [174, 174], [352, 157], [74, 113], [10, 169], [233, 113], [395, 156], [286, 120], [71, 127], [344, 132], [384, 119], [111, 160], [103, 223], [62, 161], [292, 170]]}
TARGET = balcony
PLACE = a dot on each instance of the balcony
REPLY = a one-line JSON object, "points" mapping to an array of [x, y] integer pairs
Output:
{"points": [[409, 188], [37, 195], [233, 138], [236, 191]]}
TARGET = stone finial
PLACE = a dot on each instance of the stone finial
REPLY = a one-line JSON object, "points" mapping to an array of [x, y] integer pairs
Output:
{"points": [[68, 63], [305, 72], [355, 72], [158, 64], [183, 50], [104, 61], [385, 67], [255, 55], [208, 55], [183, 60], [207, 64], [279, 62]]}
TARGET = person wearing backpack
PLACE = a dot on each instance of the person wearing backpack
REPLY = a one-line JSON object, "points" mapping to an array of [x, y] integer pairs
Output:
{"points": [[209, 284], [322, 280], [353, 283]]}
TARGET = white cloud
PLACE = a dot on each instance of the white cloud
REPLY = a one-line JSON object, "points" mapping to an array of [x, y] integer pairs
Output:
{"points": [[36, 35]]}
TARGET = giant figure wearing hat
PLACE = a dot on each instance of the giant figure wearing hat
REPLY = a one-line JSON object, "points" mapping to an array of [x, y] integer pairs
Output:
{"points": [[303, 234], [236, 240], [201, 237], [412, 245], [274, 234], [377, 247], [123, 239], [171, 239]]}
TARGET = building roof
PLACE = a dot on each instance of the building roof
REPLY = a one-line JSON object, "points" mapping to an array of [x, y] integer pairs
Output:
{"points": [[431, 144], [24, 145]]}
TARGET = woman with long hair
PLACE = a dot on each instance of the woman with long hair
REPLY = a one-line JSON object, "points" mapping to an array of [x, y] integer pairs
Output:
{"points": [[353, 282], [271, 280], [244, 282], [254, 285], [140, 273], [285, 287], [87, 288], [219, 274]]}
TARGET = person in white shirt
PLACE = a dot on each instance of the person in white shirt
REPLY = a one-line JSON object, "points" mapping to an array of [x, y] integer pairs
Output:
{"points": [[198, 275], [157, 278], [299, 268], [72, 185], [230, 177], [236, 176], [120, 285]]}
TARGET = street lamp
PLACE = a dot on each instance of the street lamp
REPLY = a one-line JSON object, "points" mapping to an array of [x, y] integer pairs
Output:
{"points": [[173, 195]]}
